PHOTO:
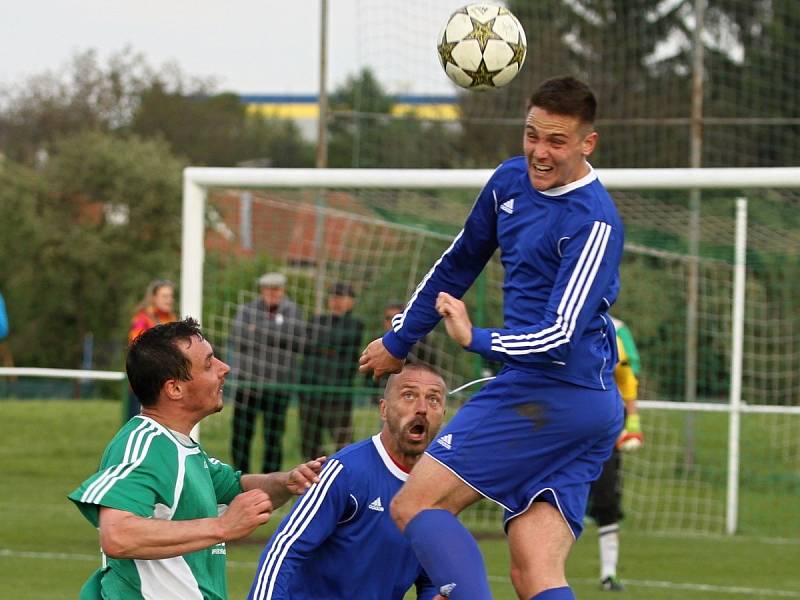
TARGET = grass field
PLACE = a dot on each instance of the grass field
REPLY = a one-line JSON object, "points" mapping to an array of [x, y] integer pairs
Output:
{"points": [[47, 549]]}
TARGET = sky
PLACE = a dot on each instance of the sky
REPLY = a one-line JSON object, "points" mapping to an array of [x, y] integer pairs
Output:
{"points": [[248, 46]]}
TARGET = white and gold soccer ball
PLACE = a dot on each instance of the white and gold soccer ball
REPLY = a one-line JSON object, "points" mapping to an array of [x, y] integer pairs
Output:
{"points": [[482, 46]]}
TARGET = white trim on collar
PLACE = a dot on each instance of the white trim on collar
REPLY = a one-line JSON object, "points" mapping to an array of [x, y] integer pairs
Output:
{"points": [[176, 436], [559, 191], [387, 460]]}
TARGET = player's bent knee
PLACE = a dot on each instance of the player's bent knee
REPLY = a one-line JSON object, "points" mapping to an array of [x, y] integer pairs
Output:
{"points": [[517, 579]]}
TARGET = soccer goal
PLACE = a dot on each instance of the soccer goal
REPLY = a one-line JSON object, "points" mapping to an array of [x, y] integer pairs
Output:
{"points": [[711, 293]]}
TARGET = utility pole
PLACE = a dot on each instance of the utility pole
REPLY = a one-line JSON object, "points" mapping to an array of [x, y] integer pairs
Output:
{"points": [[322, 160], [322, 121], [693, 270]]}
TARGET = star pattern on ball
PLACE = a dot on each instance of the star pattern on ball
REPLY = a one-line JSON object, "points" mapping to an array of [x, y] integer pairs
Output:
{"points": [[482, 32], [519, 53], [446, 52], [481, 76]]}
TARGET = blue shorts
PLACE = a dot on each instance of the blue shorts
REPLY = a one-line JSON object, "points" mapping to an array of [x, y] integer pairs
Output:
{"points": [[525, 437]]}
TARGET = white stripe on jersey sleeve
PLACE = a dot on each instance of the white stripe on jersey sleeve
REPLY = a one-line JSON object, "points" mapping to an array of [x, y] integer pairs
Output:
{"points": [[572, 301], [302, 515], [135, 452]]}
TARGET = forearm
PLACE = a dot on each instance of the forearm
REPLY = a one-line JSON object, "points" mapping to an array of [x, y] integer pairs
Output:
{"points": [[141, 538], [524, 345], [274, 484]]}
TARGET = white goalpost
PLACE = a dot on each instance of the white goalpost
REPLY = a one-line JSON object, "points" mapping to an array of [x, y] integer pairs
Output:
{"points": [[282, 186]]}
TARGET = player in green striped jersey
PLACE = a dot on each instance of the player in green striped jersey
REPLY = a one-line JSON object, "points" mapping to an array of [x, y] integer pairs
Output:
{"points": [[163, 507]]}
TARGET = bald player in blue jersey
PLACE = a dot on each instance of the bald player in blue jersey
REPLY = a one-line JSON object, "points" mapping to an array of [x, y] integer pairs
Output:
{"points": [[534, 438], [339, 541]]}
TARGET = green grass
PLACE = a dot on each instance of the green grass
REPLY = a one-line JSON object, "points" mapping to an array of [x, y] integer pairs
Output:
{"points": [[47, 549]]}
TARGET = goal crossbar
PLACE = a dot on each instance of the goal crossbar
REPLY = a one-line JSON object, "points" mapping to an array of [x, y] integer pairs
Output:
{"points": [[617, 179]]}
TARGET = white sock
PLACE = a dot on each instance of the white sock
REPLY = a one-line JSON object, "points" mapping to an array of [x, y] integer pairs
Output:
{"points": [[609, 549]]}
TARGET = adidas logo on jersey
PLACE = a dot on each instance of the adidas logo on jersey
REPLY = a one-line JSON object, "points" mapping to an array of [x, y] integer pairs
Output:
{"points": [[376, 505], [446, 441], [508, 206]]}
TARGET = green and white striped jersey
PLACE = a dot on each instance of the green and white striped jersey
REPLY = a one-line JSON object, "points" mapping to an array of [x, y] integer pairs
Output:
{"points": [[153, 472]]}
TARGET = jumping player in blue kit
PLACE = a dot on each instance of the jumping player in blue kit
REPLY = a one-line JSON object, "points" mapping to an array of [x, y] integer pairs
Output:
{"points": [[534, 438]]}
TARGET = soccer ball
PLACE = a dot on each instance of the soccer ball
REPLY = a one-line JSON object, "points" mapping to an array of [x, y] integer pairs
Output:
{"points": [[482, 46]]}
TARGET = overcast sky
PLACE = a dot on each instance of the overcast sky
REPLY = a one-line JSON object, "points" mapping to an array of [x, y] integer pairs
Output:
{"points": [[249, 46]]}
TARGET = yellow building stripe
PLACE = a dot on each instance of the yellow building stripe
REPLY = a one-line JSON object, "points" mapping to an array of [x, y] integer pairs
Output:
{"points": [[435, 112]]}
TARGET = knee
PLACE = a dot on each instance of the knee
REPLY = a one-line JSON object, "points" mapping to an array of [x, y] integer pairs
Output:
{"points": [[528, 583], [517, 580]]}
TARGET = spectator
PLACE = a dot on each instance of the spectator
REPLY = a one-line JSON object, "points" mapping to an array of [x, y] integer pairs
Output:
{"points": [[267, 335], [155, 308], [6, 359], [331, 359]]}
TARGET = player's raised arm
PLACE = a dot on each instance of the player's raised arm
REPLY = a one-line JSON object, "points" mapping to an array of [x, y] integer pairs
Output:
{"points": [[454, 272]]}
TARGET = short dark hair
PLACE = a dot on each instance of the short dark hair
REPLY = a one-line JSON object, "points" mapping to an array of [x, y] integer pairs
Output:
{"points": [[417, 365], [394, 304], [565, 96], [154, 357]]}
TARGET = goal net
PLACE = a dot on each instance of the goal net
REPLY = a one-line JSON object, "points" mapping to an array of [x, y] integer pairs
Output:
{"points": [[722, 428]]}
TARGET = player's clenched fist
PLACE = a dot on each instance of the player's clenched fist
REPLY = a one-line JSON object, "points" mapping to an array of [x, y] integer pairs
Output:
{"points": [[456, 318], [379, 360], [247, 511]]}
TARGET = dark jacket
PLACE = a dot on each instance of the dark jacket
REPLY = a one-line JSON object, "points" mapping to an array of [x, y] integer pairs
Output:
{"points": [[266, 344]]}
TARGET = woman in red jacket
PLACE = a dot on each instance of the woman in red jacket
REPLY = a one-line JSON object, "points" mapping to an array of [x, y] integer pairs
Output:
{"points": [[155, 308]]}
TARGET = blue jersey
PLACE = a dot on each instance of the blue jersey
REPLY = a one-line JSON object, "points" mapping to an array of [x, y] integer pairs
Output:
{"points": [[339, 541], [3, 319], [560, 250]]}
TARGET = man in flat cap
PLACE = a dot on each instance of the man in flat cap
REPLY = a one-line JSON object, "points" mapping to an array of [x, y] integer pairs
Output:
{"points": [[267, 337], [331, 361]]}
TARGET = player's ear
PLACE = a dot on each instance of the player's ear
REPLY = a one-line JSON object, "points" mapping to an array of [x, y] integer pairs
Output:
{"points": [[382, 406], [589, 143], [173, 388]]}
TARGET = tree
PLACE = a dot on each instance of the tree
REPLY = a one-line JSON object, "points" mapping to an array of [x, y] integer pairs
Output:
{"points": [[83, 95], [365, 133], [82, 237], [760, 80], [127, 96], [215, 129]]}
